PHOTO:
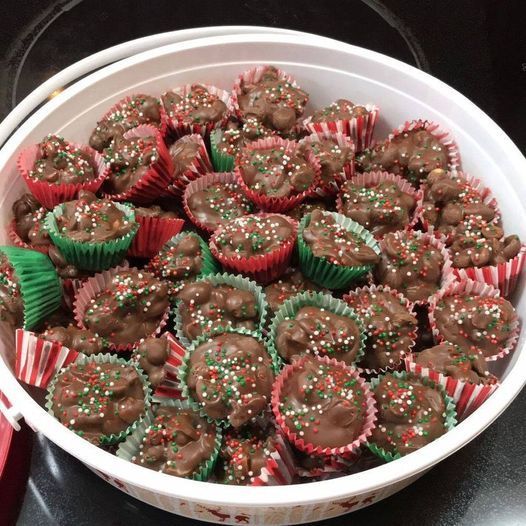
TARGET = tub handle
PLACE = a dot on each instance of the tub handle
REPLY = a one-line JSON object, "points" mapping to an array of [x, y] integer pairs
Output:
{"points": [[10, 412]]}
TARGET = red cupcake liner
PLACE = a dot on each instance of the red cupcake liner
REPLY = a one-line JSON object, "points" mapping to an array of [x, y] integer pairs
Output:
{"points": [[360, 129], [159, 175], [262, 268], [349, 451], [19, 242], [179, 128], [476, 288], [98, 283], [39, 360], [332, 465], [369, 179], [279, 470], [403, 300], [333, 188], [278, 204], [466, 395], [50, 195], [153, 233], [169, 387]]}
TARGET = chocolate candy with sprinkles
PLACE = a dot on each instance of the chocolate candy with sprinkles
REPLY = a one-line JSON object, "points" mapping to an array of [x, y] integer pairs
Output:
{"points": [[151, 354], [341, 109], [11, 303], [80, 340], [29, 219]]}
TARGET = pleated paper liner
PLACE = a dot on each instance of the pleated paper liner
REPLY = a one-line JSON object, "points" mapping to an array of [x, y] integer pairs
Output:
{"points": [[278, 204], [290, 308], [372, 289], [325, 190], [467, 396], [235, 281], [38, 281], [221, 161], [159, 175], [262, 268], [450, 419], [360, 129], [476, 288], [99, 283], [19, 242], [372, 179], [169, 387], [94, 256], [48, 194], [129, 449], [101, 359], [323, 272], [348, 450]]}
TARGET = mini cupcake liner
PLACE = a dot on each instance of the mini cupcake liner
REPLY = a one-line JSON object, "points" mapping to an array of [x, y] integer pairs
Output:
{"points": [[105, 440], [179, 128], [19, 242], [467, 396], [349, 450], [476, 288], [238, 282], [39, 360], [152, 234], [322, 271], [183, 369], [169, 387], [369, 179], [38, 281], [450, 419], [49, 195], [129, 449], [332, 466], [159, 175], [200, 184], [278, 204], [262, 268], [222, 162], [410, 309], [360, 129], [92, 256], [98, 283], [347, 172], [290, 307]]}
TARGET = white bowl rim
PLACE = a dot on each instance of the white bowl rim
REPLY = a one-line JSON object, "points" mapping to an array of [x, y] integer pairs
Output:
{"points": [[314, 492]]}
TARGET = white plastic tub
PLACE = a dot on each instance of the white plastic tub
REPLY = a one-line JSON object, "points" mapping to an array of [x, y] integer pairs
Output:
{"points": [[328, 70]]}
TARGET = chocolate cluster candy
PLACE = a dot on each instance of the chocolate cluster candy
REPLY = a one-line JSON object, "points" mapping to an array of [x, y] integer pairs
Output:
{"points": [[60, 162], [317, 330], [155, 211], [410, 414], [92, 220], [29, 221], [236, 135], [203, 306], [390, 326], [218, 203], [178, 442], [411, 264], [11, 303], [97, 400], [381, 207], [328, 239], [278, 171], [196, 106], [81, 340], [340, 110], [129, 160], [151, 354], [131, 308], [457, 363], [272, 100], [128, 114], [308, 207], [323, 404], [230, 376], [475, 323], [183, 154]]}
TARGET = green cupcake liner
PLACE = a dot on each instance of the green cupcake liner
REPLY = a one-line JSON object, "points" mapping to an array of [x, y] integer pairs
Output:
{"points": [[277, 364], [40, 286], [92, 256], [105, 440], [221, 161], [236, 281], [131, 446], [317, 299], [449, 423], [322, 271]]}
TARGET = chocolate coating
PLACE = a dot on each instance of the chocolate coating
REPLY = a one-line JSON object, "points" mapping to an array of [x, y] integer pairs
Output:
{"points": [[183, 154], [64, 269], [96, 400], [307, 207], [11, 303], [236, 135], [152, 354], [342, 109], [29, 221], [333, 158], [81, 340], [155, 211], [230, 376], [178, 442]]}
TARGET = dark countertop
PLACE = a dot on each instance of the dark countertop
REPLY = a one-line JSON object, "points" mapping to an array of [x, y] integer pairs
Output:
{"points": [[477, 46]]}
